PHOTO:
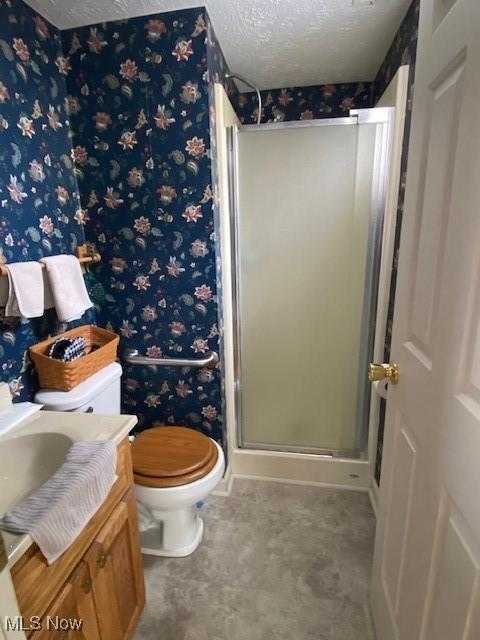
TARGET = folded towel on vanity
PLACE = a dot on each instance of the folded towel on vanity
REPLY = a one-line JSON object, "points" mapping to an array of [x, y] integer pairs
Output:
{"points": [[58, 511], [22, 291], [68, 286]]}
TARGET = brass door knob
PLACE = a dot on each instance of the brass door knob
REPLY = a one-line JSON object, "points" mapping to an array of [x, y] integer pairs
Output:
{"points": [[382, 371]]}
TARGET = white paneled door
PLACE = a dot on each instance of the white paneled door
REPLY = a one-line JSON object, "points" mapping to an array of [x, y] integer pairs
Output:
{"points": [[426, 578]]}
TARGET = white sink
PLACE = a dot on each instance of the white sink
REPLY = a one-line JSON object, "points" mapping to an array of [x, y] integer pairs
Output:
{"points": [[34, 445], [27, 462]]}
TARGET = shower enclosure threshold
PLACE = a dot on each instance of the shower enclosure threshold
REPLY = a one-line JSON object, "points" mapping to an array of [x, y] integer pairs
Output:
{"points": [[348, 454]]}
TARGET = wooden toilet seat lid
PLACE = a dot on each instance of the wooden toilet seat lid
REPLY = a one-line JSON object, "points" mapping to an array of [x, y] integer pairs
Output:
{"points": [[176, 481], [169, 453]]}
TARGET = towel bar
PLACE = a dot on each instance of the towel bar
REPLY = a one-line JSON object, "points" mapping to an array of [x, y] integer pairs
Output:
{"points": [[210, 361], [83, 260]]}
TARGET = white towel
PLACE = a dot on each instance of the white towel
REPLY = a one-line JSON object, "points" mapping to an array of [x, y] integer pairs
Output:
{"points": [[5, 291], [55, 514], [68, 286], [22, 291]]}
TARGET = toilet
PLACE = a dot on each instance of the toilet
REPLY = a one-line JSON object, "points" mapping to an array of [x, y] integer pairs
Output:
{"points": [[174, 468]]}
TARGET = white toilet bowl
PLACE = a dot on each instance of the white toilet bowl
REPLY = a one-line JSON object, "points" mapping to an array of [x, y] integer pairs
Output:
{"points": [[168, 516]]}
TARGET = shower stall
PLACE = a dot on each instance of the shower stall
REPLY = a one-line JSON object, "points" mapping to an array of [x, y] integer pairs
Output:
{"points": [[306, 211]]}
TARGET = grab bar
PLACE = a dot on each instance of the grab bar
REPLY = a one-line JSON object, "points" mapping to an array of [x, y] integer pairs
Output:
{"points": [[210, 361]]}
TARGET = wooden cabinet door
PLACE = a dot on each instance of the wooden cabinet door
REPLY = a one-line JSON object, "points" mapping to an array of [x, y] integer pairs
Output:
{"points": [[73, 614], [115, 564]]}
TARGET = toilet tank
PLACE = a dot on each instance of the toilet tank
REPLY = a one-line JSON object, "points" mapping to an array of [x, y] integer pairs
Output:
{"points": [[99, 394]]}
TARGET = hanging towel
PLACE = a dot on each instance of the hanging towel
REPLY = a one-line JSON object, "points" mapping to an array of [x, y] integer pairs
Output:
{"points": [[22, 291], [55, 514], [68, 287], [48, 301]]}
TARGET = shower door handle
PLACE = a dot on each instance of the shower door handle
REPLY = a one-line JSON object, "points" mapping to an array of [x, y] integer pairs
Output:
{"points": [[381, 371]]}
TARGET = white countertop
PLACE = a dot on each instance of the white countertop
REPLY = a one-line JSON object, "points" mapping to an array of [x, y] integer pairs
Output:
{"points": [[77, 426]]}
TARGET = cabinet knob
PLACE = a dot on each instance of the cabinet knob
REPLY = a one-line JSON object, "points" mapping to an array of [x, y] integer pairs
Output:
{"points": [[87, 585], [102, 560]]}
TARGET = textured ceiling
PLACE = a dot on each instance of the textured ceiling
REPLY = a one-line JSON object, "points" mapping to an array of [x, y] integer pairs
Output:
{"points": [[274, 43]]}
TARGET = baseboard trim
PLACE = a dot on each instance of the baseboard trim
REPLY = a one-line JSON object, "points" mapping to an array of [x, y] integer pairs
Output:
{"points": [[224, 487], [373, 495]]}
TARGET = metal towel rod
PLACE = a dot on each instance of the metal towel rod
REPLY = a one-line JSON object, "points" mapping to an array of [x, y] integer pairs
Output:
{"points": [[210, 360]]}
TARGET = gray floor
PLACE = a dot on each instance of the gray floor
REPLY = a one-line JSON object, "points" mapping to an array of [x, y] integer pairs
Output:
{"points": [[277, 561]]}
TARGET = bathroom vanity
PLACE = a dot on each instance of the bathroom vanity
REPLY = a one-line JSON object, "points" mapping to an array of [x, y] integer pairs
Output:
{"points": [[99, 578]]}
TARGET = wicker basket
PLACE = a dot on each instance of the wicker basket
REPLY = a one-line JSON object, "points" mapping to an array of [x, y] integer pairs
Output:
{"points": [[55, 374]]}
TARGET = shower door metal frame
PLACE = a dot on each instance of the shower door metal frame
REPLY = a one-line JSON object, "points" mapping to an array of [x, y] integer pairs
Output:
{"points": [[233, 208], [383, 118]]}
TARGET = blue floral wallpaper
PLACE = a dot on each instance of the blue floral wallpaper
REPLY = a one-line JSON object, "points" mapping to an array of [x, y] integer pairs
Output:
{"points": [[139, 97], [402, 51], [304, 103], [40, 212]]}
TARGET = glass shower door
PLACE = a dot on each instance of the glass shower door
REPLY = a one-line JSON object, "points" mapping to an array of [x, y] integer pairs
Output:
{"points": [[305, 233]]}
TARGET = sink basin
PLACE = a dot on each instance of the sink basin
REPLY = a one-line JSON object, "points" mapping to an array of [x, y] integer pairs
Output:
{"points": [[35, 447], [27, 462]]}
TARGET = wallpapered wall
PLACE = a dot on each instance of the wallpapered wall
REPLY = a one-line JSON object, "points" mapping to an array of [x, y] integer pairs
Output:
{"points": [[402, 51], [40, 213], [304, 103], [140, 117]]}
